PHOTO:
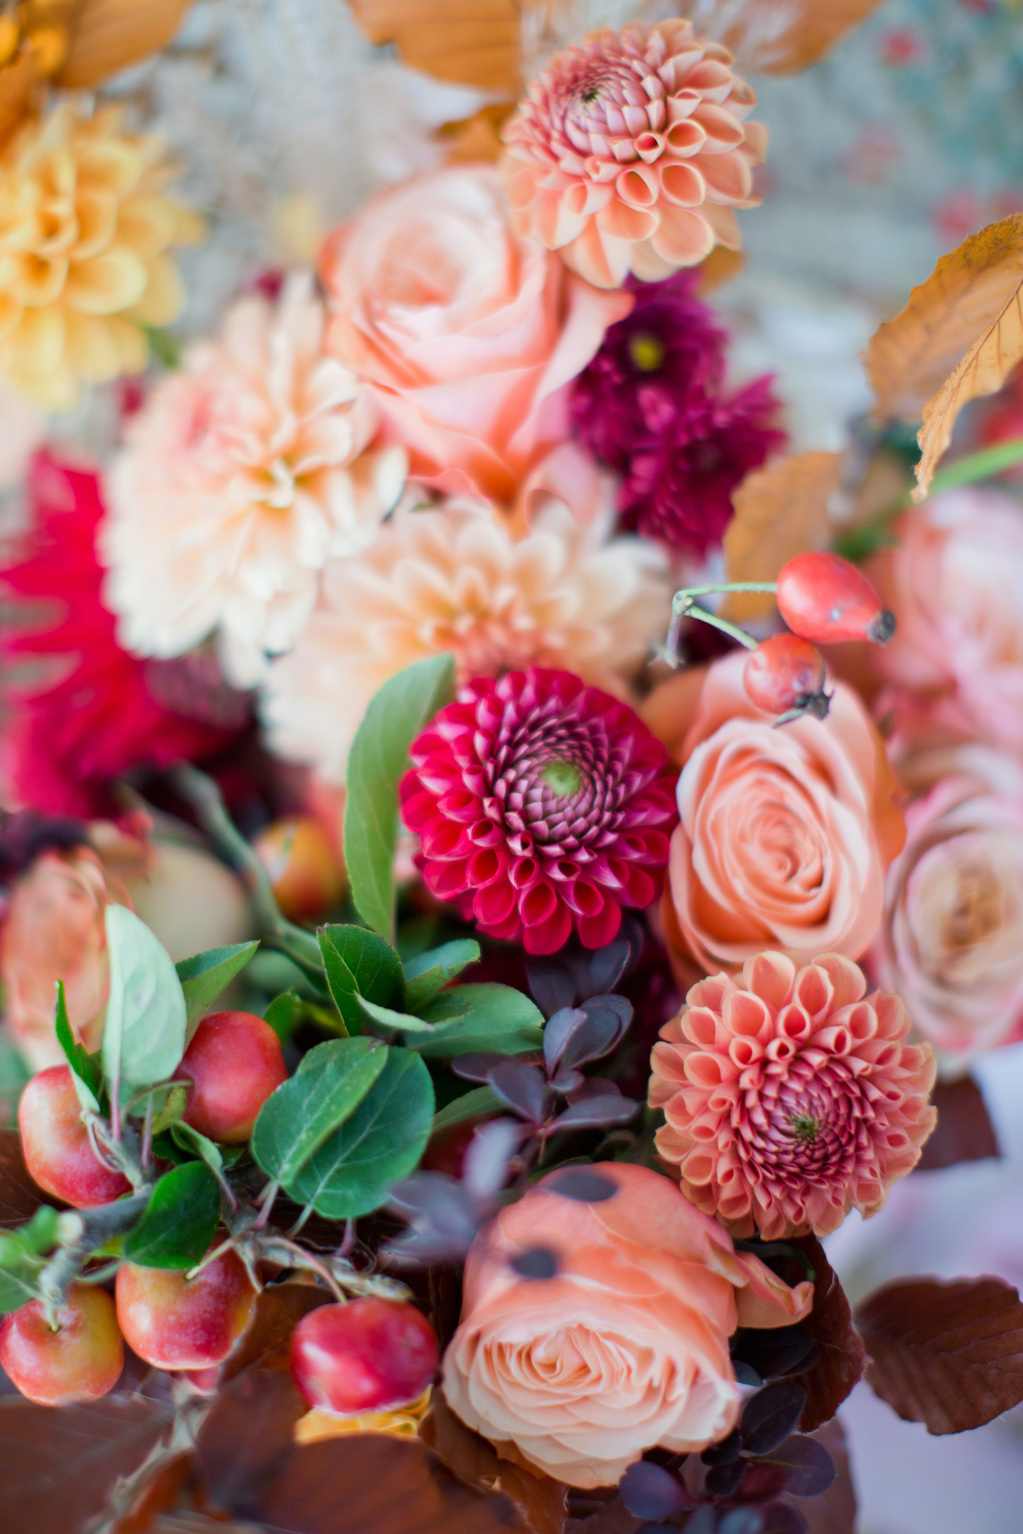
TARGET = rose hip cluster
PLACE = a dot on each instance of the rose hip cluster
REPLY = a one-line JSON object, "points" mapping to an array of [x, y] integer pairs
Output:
{"points": [[365, 1355]]}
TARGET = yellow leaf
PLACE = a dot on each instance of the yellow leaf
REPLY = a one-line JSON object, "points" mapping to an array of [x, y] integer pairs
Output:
{"points": [[471, 42], [780, 39], [780, 511], [111, 34]]}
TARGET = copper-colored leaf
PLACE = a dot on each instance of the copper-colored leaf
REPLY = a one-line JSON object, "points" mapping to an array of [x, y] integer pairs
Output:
{"points": [[964, 1131], [472, 42], [111, 34], [718, 268], [266, 1344], [19, 1196], [542, 1503], [783, 39], [946, 1354], [248, 1435], [780, 511], [58, 1464], [840, 1355]]}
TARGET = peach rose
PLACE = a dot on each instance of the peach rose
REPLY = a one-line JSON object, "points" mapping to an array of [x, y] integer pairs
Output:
{"points": [[954, 582], [468, 335], [951, 942], [55, 930], [784, 833], [625, 1347]]}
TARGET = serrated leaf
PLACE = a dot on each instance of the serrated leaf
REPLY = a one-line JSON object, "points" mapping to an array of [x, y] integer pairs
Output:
{"points": [[305, 1111], [284, 1014], [430, 972], [354, 1169], [471, 1105], [205, 975], [359, 963], [480, 1017], [180, 1220], [378, 758], [144, 1034], [84, 1072]]}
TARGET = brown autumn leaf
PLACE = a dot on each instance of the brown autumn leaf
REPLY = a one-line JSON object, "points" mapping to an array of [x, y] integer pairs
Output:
{"points": [[964, 1131], [718, 268], [19, 1196], [471, 42], [782, 39], [247, 1436], [840, 1356], [946, 1354], [108, 35], [266, 1344], [542, 1502], [780, 511]]}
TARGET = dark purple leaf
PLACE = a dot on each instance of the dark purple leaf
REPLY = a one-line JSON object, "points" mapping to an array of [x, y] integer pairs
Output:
{"points": [[745, 1373], [485, 1163], [657, 1528], [771, 1415], [608, 965], [723, 1480], [551, 985], [724, 1453], [594, 1086], [742, 1520], [565, 1081], [964, 1131], [442, 1218], [521, 1088], [838, 1352], [703, 1521], [474, 1067], [809, 1468], [782, 1350], [596, 1112], [536, 1262], [600, 1031], [585, 1184], [557, 1034], [650, 1492], [621, 1006], [781, 1518]]}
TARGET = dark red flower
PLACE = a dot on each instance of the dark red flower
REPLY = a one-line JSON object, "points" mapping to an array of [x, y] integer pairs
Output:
{"points": [[542, 805], [79, 711]]}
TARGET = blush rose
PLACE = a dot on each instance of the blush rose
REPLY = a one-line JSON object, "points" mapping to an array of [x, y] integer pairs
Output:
{"points": [[625, 1347], [468, 335]]}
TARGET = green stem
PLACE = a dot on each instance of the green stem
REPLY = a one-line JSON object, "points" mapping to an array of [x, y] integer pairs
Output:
{"points": [[680, 599]]}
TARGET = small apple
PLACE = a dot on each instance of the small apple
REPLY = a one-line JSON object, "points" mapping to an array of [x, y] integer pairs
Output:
{"points": [[305, 874], [56, 1144], [79, 1361], [367, 1355], [176, 1322], [235, 1061]]}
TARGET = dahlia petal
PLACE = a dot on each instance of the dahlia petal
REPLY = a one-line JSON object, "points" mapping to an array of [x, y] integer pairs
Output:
{"points": [[548, 936], [601, 929], [682, 185], [494, 905], [626, 223], [728, 177], [770, 976], [683, 238]]}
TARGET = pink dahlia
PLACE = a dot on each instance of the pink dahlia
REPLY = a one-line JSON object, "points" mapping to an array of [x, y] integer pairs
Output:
{"points": [[542, 805], [790, 1097], [630, 153]]}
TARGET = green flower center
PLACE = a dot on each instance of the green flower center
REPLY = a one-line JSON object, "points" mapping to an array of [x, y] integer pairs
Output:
{"points": [[562, 778], [805, 1128]]}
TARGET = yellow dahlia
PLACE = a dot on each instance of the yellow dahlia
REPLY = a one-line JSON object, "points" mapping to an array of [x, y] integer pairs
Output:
{"points": [[85, 231]]}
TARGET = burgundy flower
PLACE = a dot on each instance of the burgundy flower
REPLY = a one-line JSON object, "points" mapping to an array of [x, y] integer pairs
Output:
{"points": [[541, 805]]}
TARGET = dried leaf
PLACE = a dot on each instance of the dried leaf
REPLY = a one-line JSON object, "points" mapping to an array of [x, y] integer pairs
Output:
{"points": [[946, 1354], [780, 39], [840, 1355], [19, 1196], [780, 511], [58, 1464], [266, 1344], [247, 1438], [964, 1130], [472, 42], [541, 1502], [111, 34]]}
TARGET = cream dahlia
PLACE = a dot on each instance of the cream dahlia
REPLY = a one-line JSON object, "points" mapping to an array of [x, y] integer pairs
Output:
{"points": [[454, 579], [85, 230], [242, 475], [790, 1097], [542, 807], [629, 153]]}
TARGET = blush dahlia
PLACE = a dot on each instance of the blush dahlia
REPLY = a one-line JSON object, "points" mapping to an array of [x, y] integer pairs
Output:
{"points": [[542, 806], [790, 1096]]}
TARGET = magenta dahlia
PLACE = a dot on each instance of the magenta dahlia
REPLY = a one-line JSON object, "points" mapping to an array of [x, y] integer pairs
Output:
{"points": [[542, 805]]}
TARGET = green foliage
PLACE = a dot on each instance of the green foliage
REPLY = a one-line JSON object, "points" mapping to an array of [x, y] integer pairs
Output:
{"points": [[479, 1017], [359, 963], [84, 1068], [205, 975], [429, 972], [144, 1034], [378, 758], [284, 1014], [180, 1220], [303, 1112], [470, 1105], [22, 1258]]}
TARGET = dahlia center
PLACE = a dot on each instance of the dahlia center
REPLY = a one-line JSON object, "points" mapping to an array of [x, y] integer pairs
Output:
{"points": [[805, 1127], [562, 778], [646, 352]]}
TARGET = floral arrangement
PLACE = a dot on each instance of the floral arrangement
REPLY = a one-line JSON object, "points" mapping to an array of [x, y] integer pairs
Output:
{"points": [[499, 857]]}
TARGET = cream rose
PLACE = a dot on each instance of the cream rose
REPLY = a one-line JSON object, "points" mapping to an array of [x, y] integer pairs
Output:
{"points": [[784, 833], [951, 942], [467, 334], [625, 1347]]}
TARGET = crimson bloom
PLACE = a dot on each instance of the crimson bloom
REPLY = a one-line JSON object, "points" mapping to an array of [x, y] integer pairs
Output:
{"points": [[84, 711], [542, 805]]}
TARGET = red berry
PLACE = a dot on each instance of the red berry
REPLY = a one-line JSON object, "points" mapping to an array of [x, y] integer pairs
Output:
{"points": [[235, 1061], [824, 598], [364, 1356], [80, 1361], [56, 1144], [175, 1322], [785, 674]]}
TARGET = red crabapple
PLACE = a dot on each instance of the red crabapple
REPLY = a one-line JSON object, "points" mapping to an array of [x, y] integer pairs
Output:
{"points": [[56, 1144], [364, 1356], [235, 1061], [304, 871], [786, 673], [79, 1361], [824, 598], [176, 1322]]}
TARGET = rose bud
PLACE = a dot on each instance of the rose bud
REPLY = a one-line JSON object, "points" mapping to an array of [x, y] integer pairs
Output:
{"points": [[785, 676], [826, 599]]}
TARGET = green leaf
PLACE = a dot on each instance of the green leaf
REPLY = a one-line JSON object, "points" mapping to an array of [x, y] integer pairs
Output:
{"points": [[84, 1072], [284, 1014], [395, 1021], [41, 1231], [431, 971], [378, 757], [470, 1105], [20, 1268], [479, 1017], [355, 1168], [180, 1220], [174, 1104], [205, 975], [302, 1113], [359, 963], [164, 347], [144, 1034]]}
